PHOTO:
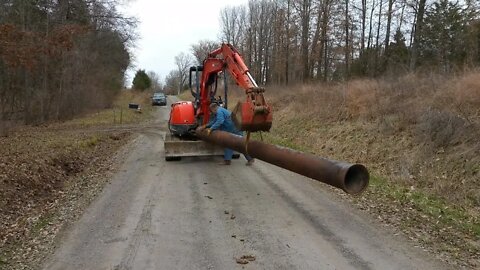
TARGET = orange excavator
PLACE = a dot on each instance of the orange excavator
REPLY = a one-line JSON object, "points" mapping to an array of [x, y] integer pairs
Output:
{"points": [[252, 115]]}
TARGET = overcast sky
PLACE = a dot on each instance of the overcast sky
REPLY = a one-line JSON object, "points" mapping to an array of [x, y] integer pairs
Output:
{"points": [[167, 28]]}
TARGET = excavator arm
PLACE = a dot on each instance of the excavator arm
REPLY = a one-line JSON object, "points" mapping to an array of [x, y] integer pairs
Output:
{"points": [[254, 114]]}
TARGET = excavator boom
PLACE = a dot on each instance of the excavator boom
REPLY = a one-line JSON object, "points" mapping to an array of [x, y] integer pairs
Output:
{"points": [[235, 65]]}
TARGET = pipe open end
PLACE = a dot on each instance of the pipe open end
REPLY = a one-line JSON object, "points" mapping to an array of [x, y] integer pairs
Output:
{"points": [[356, 179]]}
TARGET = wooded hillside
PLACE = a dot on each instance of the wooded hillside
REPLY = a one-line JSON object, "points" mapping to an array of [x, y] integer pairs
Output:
{"points": [[60, 58], [293, 41]]}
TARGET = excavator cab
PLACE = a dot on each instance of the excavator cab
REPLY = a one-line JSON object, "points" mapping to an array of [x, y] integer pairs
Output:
{"points": [[211, 86], [252, 115]]}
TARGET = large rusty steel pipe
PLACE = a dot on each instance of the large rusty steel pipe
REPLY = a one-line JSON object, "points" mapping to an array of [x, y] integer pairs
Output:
{"points": [[352, 178]]}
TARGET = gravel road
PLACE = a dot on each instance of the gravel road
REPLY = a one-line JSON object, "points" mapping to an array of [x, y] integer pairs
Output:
{"points": [[195, 214]]}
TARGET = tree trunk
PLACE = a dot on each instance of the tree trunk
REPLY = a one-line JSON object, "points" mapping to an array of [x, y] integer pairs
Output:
{"points": [[347, 41], [287, 44], [364, 22], [389, 22], [315, 41], [305, 21], [324, 39], [417, 34], [370, 28], [377, 39]]}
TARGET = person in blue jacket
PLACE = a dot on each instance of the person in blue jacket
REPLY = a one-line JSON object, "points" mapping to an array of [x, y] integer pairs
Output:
{"points": [[220, 120]]}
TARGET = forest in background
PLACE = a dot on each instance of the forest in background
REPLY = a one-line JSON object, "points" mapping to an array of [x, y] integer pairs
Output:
{"points": [[59, 58], [305, 40], [302, 41]]}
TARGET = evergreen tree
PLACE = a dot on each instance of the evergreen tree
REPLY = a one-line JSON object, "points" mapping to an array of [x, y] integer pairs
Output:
{"points": [[443, 42], [141, 80], [397, 54]]}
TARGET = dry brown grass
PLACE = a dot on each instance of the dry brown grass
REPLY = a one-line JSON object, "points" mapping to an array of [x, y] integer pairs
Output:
{"points": [[465, 92], [441, 109], [418, 135], [420, 131], [119, 113]]}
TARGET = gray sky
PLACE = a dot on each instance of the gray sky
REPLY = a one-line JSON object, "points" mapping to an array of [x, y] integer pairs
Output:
{"points": [[167, 28]]}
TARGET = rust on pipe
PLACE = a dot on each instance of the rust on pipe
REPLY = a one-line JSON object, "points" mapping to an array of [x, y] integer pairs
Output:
{"points": [[351, 178]]}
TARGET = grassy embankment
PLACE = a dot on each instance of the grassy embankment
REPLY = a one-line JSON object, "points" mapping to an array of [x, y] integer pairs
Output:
{"points": [[48, 173], [185, 95], [119, 113], [420, 139]]}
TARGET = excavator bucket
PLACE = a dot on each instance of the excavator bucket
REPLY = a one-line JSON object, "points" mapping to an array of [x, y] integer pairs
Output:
{"points": [[248, 117], [254, 114]]}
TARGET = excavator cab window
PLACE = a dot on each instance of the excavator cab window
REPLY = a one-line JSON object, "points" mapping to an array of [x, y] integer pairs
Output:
{"points": [[194, 83]]}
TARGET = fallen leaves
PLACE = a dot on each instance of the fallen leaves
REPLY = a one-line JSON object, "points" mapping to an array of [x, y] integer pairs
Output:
{"points": [[38, 170]]}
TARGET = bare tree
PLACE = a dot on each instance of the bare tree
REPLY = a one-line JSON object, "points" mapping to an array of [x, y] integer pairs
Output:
{"points": [[364, 27], [389, 24], [183, 62], [201, 50], [418, 26], [347, 38], [172, 82], [291, 41], [232, 23], [156, 81], [304, 10]]}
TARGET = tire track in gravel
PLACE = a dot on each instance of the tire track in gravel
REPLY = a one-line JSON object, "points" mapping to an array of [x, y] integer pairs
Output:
{"points": [[140, 234]]}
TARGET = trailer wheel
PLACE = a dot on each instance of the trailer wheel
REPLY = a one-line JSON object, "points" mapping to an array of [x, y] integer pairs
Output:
{"points": [[173, 158]]}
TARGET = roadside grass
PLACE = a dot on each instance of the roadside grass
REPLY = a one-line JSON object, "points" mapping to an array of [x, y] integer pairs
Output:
{"points": [[185, 96], [418, 136], [120, 113], [41, 166], [41, 224], [444, 213], [44, 168], [88, 142], [437, 208]]}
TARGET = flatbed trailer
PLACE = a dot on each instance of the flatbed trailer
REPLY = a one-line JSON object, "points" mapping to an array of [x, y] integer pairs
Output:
{"points": [[176, 148]]}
